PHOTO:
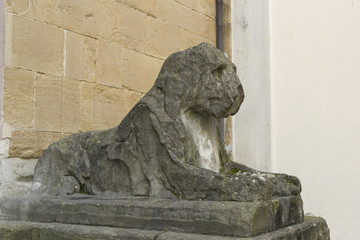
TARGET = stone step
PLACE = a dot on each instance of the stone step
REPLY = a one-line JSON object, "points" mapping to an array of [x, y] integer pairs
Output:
{"points": [[313, 228], [241, 219]]}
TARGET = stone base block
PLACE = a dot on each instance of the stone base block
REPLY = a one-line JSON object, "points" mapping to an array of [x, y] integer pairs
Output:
{"points": [[312, 228], [240, 219]]}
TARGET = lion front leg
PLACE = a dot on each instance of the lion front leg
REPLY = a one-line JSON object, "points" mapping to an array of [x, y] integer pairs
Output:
{"points": [[283, 185]]}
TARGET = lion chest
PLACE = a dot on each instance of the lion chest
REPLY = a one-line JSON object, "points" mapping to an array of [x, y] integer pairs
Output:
{"points": [[204, 132]]}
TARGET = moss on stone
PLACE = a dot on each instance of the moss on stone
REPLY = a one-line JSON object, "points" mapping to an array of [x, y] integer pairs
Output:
{"points": [[233, 171]]}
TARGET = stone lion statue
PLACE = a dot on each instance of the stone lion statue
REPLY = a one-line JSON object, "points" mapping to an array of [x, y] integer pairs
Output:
{"points": [[168, 145]]}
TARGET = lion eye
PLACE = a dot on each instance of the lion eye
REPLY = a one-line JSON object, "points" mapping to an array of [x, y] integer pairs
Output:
{"points": [[218, 71], [217, 74]]}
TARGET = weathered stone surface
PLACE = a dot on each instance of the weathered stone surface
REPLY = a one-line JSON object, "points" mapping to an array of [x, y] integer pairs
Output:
{"points": [[4, 148], [86, 107], [80, 57], [184, 17], [228, 141], [205, 7], [126, 26], [145, 6], [34, 9], [168, 145], [176, 14], [18, 106], [313, 228], [208, 217], [17, 169], [227, 11], [70, 110], [133, 78], [31, 144], [16, 176], [15, 230], [47, 103], [108, 64], [33, 45], [227, 37], [96, 102], [12, 189], [206, 27], [162, 39], [189, 39], [87, 17]]}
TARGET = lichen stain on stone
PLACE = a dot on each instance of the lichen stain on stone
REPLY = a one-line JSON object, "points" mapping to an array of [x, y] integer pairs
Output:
{"points": [[206, 141]]}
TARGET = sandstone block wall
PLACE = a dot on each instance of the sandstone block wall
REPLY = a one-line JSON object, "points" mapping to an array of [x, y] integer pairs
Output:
{"points": [[72, 66]]}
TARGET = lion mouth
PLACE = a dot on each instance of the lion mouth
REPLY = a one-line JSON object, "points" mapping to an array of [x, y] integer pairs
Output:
{"points": [[234, 108]]}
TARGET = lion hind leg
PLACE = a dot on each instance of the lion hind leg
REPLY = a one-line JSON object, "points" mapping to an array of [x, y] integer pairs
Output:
{"points": [[140, 185], [68, 185], [158, 189], [140, 188]]}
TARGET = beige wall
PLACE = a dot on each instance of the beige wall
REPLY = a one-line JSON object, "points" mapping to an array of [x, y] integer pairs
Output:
{"points": [[316, 94], [75, 66]]}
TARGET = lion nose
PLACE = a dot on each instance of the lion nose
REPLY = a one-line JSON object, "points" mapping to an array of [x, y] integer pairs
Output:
{"points": [[240, 92], [235, 94]]}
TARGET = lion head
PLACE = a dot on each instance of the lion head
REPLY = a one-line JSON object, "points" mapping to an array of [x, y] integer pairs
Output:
{"points": [[200, 79], [197, 86]]}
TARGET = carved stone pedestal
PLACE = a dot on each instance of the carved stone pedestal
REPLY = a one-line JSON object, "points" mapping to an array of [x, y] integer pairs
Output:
{"points": [[87, 217], [311, 228]]}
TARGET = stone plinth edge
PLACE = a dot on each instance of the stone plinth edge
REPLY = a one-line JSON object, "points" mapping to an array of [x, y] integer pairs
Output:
{"points": [[311, 228], [241, 219]]}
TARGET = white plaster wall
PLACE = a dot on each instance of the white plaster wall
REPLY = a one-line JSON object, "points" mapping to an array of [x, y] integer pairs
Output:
{"points": [[315, 66], [250, 29]]}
